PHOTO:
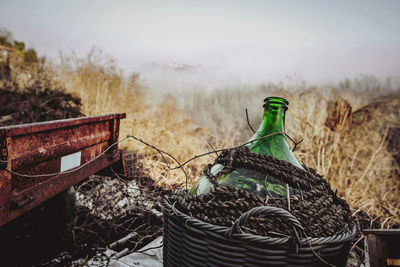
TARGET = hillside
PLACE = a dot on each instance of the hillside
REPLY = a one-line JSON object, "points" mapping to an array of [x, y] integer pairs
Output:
{"points": [[350, 134]]}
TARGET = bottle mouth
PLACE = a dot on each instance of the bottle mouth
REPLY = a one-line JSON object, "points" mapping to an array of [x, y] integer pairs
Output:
{"points": [[276, 102]]}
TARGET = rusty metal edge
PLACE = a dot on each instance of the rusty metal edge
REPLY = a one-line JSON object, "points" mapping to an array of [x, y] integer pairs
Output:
{"points": [[52, 187], [29, 128]]}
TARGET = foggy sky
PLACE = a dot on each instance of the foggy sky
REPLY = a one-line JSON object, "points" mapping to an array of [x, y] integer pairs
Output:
{"points": [[224, 42]]}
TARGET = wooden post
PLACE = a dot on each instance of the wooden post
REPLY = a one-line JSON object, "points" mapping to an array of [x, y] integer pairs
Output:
{"points": [[382, 247]]}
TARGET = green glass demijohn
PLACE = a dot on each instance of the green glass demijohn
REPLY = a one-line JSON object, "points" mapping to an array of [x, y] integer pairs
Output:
{"points": [[274, 145]]}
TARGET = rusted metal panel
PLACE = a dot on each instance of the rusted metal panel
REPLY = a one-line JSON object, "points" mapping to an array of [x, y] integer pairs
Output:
{"points": [[52, 166], [46, 126], [58, 146], [47, 144], [40, 148], [21, 202]]}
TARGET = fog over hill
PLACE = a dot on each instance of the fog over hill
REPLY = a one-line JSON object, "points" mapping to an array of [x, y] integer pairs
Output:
{"points": [[251, 66], [180, 45]]}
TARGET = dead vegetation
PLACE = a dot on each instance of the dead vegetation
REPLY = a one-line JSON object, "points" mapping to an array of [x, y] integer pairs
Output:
{"points": [[350, 137], [32, 105], [103, 89], [107, 208], [110, 208], [30, 93], [346, 130], [339, 115], [356, 159]]}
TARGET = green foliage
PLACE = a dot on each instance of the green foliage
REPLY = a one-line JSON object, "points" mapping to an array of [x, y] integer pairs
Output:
{"points": [[20, 46], [30, 56]]}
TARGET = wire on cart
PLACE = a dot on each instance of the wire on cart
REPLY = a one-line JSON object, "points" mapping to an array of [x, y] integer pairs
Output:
{"points": [[67, 171]]}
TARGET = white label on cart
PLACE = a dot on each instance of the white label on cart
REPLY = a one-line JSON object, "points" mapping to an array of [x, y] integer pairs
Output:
{"points": [[70, 161]]}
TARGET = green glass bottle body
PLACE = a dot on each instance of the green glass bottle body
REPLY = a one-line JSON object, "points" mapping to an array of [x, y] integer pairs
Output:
{"points": [[276, 145]]}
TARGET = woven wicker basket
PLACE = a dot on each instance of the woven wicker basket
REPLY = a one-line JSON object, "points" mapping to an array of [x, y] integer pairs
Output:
{"points": [[191, 242]]}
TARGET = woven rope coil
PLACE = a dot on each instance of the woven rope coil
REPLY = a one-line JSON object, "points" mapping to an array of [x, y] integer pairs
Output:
{"points": [[242, 222], [316, 206]]}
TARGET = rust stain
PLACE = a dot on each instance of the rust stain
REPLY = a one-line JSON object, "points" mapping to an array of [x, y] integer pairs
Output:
{"points": [[38, 149], [46, 126]]}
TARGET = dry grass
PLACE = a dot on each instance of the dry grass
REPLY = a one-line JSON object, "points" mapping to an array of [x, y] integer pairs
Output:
{"points": [[103, 89], [345, 137], [346, 144], [354, 157]]}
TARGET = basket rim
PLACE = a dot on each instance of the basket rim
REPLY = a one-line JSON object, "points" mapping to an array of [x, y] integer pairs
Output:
{"points": [[195, 225]]}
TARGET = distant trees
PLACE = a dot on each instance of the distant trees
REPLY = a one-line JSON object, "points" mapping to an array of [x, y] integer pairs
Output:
{"points": [[29, 55], [20, 46]]}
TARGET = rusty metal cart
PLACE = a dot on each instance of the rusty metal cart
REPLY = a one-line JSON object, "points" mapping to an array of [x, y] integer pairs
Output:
{"points": [[40, 160]]}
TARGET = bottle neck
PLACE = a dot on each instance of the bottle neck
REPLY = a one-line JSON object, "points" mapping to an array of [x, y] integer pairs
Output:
{"points": [[276, 145], [273, 121]]}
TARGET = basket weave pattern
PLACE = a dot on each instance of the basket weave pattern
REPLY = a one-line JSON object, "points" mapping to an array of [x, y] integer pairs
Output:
{"points": [[191, 242], [233, 227]]}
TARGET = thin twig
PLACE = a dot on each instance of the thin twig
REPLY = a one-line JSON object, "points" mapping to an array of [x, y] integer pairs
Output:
{"points": [[142, 251], [68, 171], [220, 150], [266, 200], [161, 152], [319, 257], [294, 142], [52, 99], [212, 148], [248, 122], [355, 243], [269, 193]]}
